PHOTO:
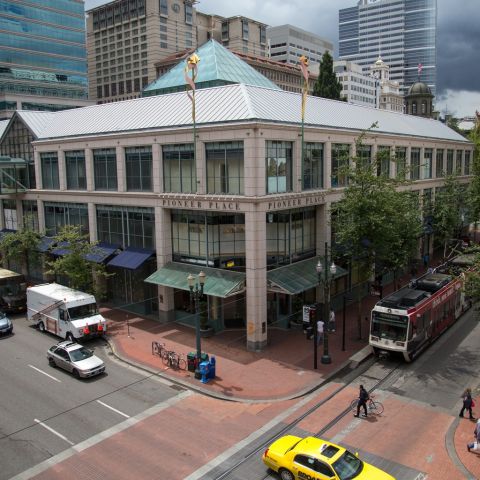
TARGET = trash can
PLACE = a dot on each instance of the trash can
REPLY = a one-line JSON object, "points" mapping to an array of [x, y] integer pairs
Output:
{"points": [[191, 361], [211, 374], [205, 371]]}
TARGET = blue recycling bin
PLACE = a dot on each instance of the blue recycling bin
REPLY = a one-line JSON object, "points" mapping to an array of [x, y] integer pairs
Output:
{"points": [[213, 362], [205, 371]]}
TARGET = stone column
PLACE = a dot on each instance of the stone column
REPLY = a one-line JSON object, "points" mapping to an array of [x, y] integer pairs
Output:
{"points": [[163, 241], [157, 168], [201, 168], [408, 162], [38, 169], [254, 164], [434, 162], [41, 216], [421, 175], [89, 172], [62, 170], [393, 164], [121, 171], [256, 277], [92, 222], [297, 167], [327, 165]]}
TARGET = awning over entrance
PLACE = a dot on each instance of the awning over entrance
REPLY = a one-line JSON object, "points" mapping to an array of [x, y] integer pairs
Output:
{"points": [[219, 283], [45, 244], [297, 277], [101, 252], [131, 258]]}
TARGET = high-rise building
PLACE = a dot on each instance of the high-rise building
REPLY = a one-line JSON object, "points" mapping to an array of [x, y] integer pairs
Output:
{"points": [[126, 39], [42, 55], [403, 32], [357, 87], [288, 43]]}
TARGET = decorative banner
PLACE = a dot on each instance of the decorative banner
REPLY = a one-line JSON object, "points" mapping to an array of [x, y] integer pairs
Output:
{"points": [[304, 69], [420, 68], [192, 64]]}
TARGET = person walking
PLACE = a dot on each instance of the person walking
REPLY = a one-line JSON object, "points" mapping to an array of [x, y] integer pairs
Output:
{"points": [[331, 323], [362, 402], [319, 332], [476, 434], [467, 403]]}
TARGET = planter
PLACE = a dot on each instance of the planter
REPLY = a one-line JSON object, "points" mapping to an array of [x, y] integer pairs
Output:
{"points": [[207, 332]]}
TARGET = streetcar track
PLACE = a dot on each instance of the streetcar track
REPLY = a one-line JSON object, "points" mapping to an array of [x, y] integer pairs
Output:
{"points": [[304, 415]]}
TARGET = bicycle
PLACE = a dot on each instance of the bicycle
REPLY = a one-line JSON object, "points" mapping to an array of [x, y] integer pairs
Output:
{"points": [[158, 348], [373, 406], [174, 360]]}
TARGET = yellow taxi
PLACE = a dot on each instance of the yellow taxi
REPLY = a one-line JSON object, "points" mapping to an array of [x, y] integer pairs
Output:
{"points": [[310, 458]]}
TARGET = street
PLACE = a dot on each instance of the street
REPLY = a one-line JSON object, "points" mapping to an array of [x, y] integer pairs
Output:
{"points": [[126, 424]]}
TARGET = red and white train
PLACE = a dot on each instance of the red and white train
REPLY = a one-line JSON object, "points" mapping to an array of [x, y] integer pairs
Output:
{"points": [[408, 320]]}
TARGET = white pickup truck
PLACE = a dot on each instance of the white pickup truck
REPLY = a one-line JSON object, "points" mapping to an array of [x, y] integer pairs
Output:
{"points": [[65, 312]]}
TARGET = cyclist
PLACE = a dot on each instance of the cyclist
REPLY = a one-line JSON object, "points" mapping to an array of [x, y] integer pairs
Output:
{"points": [[363, 398]]}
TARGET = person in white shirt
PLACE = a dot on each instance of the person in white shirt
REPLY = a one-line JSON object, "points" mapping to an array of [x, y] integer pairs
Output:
{"points": [[319, 332], [331, 324]]}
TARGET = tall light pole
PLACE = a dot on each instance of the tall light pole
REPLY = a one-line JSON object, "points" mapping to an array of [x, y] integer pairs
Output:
{"points": [[196, 293], [325, 276]]}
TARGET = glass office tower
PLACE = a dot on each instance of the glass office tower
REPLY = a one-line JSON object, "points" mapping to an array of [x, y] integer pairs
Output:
{"points": [[402, 32], [42, 55]]}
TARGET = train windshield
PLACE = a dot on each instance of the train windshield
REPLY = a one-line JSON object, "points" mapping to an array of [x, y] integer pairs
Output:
{"points": [[389, 326]]}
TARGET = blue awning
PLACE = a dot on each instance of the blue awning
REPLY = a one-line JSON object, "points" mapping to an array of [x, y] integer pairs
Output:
{"points": [[101, 252], [131, 258], [5, 231], [61, 249], [45, 244]]}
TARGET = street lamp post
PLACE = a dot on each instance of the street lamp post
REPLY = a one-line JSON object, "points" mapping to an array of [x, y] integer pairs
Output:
{"points": [[196, 294], [325, 276]]}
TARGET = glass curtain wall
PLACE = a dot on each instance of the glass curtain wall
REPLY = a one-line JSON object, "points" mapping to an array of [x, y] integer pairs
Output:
{"points": [[312, 166], [75, 170], [179, 173], [279, 166], [225, 168]]}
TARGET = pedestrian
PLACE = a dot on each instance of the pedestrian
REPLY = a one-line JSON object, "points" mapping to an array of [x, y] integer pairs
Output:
{"points": [[476, 435], [363, 397], [319, 332], [467, 403], [331, 324]]}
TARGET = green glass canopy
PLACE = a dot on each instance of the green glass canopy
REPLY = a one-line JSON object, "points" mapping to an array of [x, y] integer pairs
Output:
{"points": [[219, 283], [297, 277], [217, 66]]}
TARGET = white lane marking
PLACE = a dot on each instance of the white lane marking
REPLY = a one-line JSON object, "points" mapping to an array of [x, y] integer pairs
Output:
{"points": [[50, 429], [45, 373], [113, 409]]}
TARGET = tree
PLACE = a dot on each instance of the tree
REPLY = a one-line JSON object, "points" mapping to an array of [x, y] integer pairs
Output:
{"points": [[473, 192], [376, 225], [327, 84], [447, 212], [81, 273], [21, 246]]}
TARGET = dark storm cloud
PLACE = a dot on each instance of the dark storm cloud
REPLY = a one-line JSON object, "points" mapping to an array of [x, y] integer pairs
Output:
{"points": [[458, 45]]}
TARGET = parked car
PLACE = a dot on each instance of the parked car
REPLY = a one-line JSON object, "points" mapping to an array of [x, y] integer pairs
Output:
{"points": [[295, 458], [76, 359], [6, 325]]}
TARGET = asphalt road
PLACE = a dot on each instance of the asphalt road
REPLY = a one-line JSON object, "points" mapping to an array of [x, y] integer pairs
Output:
{"points": [[44, 410]]}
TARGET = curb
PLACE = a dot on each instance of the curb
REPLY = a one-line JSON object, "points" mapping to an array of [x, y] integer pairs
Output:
{"points": [[345, 367]]}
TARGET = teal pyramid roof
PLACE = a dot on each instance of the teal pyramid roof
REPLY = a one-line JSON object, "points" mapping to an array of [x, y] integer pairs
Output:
{"points": [[218, 66]]}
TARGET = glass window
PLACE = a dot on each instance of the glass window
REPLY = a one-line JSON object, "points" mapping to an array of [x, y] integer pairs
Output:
{"points": [[30, 214], [126, 226], [427, 163], [415, 163], [188, 13], [279, 166], [313, 166], [449, 162], [383, 160], [138, 169], [340, 160], [179, 173], [105, 169], [290, 236], [75, 170], [245, 29], [458, 166], [440, 171], [225, 167], [364, 155], [212, 239], [50, 177], [59, 214], [467, 163]]}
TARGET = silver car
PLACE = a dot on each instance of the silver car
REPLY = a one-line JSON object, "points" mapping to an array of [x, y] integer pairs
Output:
{"points": [[75, 358], [6, 325]]}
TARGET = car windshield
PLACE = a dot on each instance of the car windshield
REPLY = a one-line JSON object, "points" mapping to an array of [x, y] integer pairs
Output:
{"points": [[80, 354], [83, 311], [347, 466]]}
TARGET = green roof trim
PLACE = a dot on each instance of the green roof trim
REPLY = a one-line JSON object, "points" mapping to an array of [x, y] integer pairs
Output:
{"points": [[297, 277], [218, 66], [219, 282]]}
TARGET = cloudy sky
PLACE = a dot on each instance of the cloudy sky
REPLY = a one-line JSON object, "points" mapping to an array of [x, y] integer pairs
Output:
{"points": [[458, 42]]}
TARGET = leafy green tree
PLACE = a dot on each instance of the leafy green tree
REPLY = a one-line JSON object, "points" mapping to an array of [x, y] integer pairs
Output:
{"points": [[327, 84], [81, 273], [376, 225], [447, 212], [473, 193], [21, 247]]}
